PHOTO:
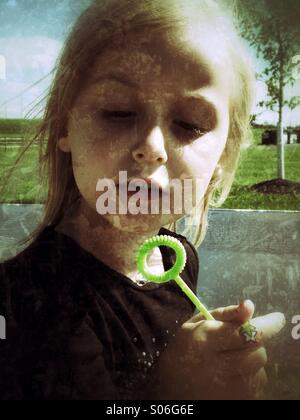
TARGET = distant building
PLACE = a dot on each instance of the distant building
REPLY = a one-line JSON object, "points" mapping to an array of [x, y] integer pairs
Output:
{"points": [[291, 136], [269, 137]]}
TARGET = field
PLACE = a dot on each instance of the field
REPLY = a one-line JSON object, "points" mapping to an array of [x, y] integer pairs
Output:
{"points": [[23, 186], [258, 163]]}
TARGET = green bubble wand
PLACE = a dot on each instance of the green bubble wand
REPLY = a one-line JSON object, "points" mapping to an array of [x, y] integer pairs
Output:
{"points": [[174, 272], [247, 330]]}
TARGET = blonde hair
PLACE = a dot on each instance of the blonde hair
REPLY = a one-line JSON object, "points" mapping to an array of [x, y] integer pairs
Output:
{"points": [[94, 29]]}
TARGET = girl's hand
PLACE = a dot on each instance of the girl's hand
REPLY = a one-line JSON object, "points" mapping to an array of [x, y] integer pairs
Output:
{"points": [[211, 360]]}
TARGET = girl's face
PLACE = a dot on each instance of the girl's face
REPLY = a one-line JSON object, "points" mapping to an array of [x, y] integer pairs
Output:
{"points": [[154, 106]]}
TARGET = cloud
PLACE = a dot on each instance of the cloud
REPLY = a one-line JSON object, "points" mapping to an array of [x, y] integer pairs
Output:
{"points": [[27, 61]]}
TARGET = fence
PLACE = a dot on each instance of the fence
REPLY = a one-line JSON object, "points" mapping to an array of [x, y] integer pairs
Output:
{"points": [[246, 254], [9, 141]]}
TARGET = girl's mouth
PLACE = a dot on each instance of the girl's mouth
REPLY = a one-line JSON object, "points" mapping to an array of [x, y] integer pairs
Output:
{"points": [[150, 190]]}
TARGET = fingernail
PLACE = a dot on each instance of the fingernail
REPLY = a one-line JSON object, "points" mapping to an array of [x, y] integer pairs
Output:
{"points": [[247, 301], [242, 303]]}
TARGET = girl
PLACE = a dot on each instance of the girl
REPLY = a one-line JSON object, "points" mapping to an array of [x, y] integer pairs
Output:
{"points": [[162, 91]]}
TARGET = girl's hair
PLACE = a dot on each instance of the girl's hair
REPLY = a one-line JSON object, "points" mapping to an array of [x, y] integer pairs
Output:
{"points": [[93, 31]]}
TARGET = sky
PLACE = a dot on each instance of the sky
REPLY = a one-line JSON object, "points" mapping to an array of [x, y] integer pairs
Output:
{"points": [[31, 37]]}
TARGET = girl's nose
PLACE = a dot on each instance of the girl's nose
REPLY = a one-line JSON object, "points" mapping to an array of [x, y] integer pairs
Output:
{"points": [[152, 149]]}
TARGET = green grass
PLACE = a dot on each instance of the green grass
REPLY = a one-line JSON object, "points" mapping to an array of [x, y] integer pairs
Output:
{"points": [[17, 126], [241, 198], [23, 186], [11, 135], [258, 164], [257, 134]]}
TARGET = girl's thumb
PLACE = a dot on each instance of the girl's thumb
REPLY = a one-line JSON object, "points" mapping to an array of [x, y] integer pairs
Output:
{"points": [[237, 313], [245, 311]]}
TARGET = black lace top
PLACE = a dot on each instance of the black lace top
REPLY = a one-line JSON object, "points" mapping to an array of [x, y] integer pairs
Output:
{"points": [[77, 329]]}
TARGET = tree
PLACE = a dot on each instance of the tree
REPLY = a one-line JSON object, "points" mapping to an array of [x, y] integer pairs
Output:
{"points": [[272, 28]]}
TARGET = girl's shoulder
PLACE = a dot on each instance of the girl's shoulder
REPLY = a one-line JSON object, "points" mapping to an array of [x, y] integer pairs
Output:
{"points": [[53, 266], [30, 275], [37, 257]]}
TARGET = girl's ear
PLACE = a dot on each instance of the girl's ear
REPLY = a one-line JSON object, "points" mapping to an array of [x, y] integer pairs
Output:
{"points": [[64, 144]]}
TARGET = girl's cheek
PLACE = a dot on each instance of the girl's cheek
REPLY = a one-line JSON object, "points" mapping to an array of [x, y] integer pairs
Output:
{"points": [[200, 160], [204, 152]]}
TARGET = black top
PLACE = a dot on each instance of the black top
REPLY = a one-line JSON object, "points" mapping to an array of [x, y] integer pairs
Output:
{"points": [[77, 329]]}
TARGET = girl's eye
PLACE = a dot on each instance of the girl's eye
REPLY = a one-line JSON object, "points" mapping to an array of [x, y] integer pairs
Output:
{"points": [[191, 129], [118, 115], [188, 130]]}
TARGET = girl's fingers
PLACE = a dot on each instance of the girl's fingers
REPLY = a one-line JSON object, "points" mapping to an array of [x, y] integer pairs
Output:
{"points": [[241, 362], [235, 313], [252, 386], [243, 387], [269, 325], [219, 336]]}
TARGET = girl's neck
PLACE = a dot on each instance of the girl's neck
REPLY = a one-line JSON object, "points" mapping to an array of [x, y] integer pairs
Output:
{"points": [[116, 248]]}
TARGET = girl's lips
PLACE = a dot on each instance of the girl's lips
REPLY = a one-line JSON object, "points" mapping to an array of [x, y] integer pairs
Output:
{"points": [[135, 185], [149, 185]]}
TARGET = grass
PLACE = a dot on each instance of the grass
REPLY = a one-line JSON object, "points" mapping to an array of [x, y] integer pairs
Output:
{"points": [[257, 135], [241, 198], [23, 186], [258, 164]]}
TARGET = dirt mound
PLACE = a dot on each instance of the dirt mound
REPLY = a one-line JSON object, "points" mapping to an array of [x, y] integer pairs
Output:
{"points": [[277, 186]]}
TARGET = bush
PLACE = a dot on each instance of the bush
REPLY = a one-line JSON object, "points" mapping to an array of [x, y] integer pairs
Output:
{"points": [[17, 126]]}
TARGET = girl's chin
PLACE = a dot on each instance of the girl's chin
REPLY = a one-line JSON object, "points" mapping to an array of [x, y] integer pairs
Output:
{"points": [[140, 222]]}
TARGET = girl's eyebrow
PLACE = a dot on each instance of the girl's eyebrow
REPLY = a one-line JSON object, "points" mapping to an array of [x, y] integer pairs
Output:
{"points": [[123, 79], [117, 77]]}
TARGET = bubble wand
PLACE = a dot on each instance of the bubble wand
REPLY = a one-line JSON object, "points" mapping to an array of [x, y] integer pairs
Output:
{"points": [[174, 272], [248, 331]]}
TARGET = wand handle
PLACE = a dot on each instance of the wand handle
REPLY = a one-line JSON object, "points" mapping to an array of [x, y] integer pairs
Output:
{"points": [[191, 295]]}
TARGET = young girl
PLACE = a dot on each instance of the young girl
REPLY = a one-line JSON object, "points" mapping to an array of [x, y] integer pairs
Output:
{"points": [[161, 90]]}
